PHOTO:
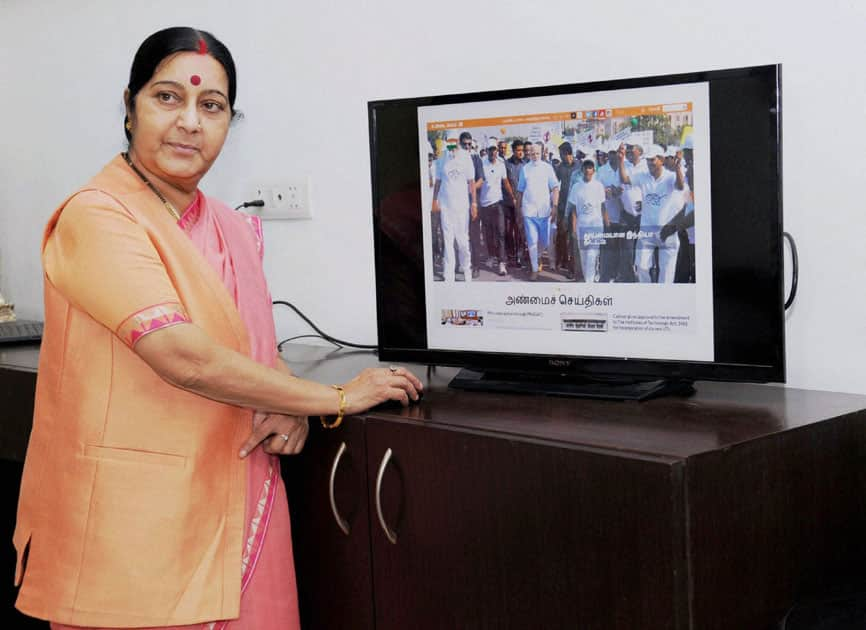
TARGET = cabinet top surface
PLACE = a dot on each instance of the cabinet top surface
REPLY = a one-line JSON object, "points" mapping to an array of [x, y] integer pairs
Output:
{"points": [[719, 415]]}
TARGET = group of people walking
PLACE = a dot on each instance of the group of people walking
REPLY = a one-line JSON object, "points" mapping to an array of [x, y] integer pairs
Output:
{"points": [[624, 213]]}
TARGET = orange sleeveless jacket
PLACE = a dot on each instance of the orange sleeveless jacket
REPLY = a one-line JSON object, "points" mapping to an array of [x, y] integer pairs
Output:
{"points": [[132, 500]]}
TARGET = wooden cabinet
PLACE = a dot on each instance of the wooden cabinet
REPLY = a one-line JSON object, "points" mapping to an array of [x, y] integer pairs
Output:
{"points": [[488, 532], [17, 389], [715, 511], [712, 512], [327, 484], [500, 534]]}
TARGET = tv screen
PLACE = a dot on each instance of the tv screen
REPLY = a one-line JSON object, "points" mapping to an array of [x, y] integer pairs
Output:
{"points": [[622, 230]]}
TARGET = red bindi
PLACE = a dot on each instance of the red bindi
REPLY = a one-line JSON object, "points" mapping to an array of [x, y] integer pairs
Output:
{"points": [[195, 79]]}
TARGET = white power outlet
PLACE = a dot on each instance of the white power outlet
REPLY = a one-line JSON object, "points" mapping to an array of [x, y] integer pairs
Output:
{"points": [[286, 199]]}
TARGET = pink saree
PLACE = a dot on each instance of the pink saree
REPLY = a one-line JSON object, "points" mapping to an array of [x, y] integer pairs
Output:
{"points": [[232, 244]]}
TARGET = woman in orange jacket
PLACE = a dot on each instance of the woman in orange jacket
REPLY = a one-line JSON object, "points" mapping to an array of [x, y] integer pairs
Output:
{"points": [[151, 494]]}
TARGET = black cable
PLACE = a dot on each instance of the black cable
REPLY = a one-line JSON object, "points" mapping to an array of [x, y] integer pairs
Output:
{"points": [[324, 335], [795, 270], [256, 203], [284, 341]]}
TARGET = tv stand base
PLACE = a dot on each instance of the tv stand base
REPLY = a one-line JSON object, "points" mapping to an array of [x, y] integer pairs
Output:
{"points": [[570, 385]]}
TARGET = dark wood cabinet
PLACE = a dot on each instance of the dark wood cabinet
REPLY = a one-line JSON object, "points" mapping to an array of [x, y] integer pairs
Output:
{"points": [[17, 389], [499, 534], [327, 483], [714, 511]]}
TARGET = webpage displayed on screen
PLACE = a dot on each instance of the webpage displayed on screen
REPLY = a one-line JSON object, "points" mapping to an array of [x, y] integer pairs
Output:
{"points": [[619, 298]]}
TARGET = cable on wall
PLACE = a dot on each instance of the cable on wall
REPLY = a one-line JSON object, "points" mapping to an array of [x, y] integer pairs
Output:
{"points": [[795, 270], [255, 203], [323, 335]]}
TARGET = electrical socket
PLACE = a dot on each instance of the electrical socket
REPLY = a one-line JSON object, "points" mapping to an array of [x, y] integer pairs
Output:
{"points": [[287, 199]]}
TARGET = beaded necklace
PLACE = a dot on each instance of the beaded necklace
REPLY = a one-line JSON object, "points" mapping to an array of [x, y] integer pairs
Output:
{"points": [[168, 205]]}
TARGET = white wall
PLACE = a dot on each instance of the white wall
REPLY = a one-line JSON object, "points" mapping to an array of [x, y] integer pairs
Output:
{"points": [[307, 70]]}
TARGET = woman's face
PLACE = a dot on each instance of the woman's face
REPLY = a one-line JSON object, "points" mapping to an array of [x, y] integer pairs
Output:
{"points": [[181, 118]]}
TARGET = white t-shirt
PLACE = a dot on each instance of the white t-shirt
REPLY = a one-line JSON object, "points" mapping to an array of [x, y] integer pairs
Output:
{"points": [[587, 198], [491, 189], [630, 193], [678, 200], [454, 173], [614, 206], [658, 197], [537, 180]]}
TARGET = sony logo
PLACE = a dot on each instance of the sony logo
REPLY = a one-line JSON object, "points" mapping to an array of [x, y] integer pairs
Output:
{"points": [[559, 362]]}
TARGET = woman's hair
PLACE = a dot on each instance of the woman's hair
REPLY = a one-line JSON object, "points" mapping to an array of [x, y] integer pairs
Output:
{"points": [[173, 40]]}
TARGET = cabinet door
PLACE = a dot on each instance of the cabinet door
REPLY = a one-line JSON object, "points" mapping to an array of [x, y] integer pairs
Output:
{"points": [[332, 566], [498, 534]]}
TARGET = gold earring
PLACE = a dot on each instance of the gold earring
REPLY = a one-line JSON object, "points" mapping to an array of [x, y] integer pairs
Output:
{"points": [[128, 126]]}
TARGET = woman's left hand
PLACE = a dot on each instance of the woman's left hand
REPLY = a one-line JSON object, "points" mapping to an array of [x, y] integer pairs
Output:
{"points": [[278, 434]]}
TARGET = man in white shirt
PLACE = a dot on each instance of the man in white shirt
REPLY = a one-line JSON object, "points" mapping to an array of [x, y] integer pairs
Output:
{"points": [[469, 147], [586, 200], [492, 210], [537, 193], [660, 190], [631, 197], [435, 217], [454, 197]]}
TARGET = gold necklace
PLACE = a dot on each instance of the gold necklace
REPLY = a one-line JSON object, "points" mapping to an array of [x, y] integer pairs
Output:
{"points": [[168, 205]]}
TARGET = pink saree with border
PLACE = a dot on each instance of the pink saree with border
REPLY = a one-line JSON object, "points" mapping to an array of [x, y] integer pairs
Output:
{"points": [[232, 244]]}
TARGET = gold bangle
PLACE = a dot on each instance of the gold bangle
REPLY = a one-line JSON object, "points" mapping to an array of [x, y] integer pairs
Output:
{"points": [[339, 419]]}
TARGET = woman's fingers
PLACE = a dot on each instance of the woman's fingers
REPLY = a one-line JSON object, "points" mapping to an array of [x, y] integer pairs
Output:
{"points": [[275, 443], [398, 393], [296, 440], [279, 435], [260, 432], [375, 385], [400, 377], [410, 383]]}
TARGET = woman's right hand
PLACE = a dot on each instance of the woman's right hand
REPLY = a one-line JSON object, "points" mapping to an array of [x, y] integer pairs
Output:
{"points": [[376, 385]]}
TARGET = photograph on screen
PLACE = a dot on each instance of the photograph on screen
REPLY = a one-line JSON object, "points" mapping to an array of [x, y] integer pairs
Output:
{"points": [[569, 214]]}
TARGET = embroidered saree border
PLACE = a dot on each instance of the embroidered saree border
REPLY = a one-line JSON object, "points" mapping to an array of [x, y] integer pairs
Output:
{"points": [[258, 529], [149, 319]]}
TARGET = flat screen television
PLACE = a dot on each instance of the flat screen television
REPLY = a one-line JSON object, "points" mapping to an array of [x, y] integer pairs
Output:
{"points": [[658, 264]]}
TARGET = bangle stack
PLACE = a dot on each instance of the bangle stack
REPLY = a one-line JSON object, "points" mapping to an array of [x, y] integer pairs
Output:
{"points": [[339, 419]]}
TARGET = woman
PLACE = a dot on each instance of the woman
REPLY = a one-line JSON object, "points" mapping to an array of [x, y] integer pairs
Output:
{"points": [[151, 494]]}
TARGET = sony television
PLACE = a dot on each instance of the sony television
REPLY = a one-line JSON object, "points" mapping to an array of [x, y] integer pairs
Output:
{"points": [[676, 276]]}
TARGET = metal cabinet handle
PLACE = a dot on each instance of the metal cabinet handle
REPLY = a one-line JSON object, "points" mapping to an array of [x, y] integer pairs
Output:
{"points": [[392, 537], [341, 522]]}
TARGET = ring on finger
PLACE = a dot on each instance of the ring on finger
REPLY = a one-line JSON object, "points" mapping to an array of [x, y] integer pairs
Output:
{"points": [[393, 369], [285, 437]]}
